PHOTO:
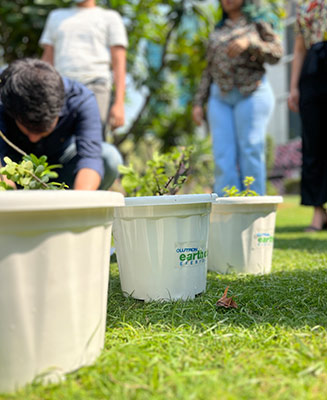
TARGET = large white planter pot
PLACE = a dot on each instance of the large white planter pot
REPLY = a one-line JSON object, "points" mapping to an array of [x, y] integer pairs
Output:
{"points": [[161, 244], [54, 271], [241, 235]]}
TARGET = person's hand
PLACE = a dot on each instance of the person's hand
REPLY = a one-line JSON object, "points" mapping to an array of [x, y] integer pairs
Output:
{"points": [[116, 116], [87, 179], [237, 46], [197, 114], [293, 100], [8, 181]]}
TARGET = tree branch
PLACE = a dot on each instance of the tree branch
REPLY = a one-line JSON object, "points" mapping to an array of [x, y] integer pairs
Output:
{"points": [[118, 139]]}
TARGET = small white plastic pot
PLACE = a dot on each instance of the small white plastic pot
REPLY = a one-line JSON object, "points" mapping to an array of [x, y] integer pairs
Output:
{"points": [[54, 272], [162, 246], [241, 234]]}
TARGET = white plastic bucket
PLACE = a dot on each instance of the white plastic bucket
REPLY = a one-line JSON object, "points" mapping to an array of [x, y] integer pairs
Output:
{"points": [[241, 234], [54, 271], [161, 244]]}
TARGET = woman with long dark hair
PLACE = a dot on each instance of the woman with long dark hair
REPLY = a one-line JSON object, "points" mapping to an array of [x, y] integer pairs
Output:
{"points": [[308, 94], [240, 97]]}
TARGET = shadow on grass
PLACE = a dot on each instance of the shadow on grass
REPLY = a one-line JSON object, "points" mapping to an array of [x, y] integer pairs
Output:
{"points": [[290, 229], [311, 243], [295, 299]]}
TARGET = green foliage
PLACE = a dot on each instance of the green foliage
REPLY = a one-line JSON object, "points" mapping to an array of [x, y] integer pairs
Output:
{"points": [[21, 24], [271, 11], [233, 191], [31, 173], [164, 174], [270, 153], [292, 185], [201, 175], [201, 166], [171, 37], [271, 190]]}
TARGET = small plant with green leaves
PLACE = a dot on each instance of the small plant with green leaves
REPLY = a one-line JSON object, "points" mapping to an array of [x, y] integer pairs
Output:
{"points": [[233, 191], [164, 174], [31, 173]]}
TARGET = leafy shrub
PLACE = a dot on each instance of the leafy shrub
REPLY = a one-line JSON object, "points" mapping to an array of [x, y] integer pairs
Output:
{"points": [[292, 185], [164, 174], [271, 189], [201, 166]]}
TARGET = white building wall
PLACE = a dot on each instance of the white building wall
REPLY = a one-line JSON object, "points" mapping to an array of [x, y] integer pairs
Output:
{"points": [[278, 77]]}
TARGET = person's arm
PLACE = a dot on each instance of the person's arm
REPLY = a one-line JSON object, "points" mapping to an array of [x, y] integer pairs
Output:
{"points": [[88, 138], [118, 60], [47, 54], [4, 148], [300, 52], [266, 46], [201, 97], [47, 39], [87, 179]]}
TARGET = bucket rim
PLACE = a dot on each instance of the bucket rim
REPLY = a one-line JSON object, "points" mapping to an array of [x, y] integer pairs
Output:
{"points": [[170, 200], [47, 200], [248, 200]]}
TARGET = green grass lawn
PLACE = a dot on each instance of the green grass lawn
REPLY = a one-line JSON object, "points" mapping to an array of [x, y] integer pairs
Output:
{"points": [[274, 346]]}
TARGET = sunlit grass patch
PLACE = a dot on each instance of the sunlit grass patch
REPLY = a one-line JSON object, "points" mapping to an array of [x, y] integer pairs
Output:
{"points": [[273, 346]]}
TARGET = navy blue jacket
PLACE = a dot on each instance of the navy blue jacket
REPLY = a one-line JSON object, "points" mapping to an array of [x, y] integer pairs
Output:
{"points": [[79, 121]]}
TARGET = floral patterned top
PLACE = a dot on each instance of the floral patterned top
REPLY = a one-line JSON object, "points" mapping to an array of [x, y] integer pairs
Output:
{"points": [[244, 71], [311, 21]]}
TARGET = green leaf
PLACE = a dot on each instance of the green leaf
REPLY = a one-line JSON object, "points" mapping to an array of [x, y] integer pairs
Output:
{"points": [[39, 169]]}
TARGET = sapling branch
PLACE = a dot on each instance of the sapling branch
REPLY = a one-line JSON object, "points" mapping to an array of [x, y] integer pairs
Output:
{"points": [[36, 178], [169, 181], [158, 187], [11, 144]]}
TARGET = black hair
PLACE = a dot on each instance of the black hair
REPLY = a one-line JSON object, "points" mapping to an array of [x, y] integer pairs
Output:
{"points": [[222, 20], [32, 93], [224, 15]]}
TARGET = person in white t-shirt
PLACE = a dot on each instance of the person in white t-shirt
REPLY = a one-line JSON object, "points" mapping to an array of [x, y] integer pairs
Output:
{"points": [[85, 43]]}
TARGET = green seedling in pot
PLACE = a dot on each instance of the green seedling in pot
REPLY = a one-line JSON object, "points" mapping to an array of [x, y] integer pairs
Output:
{"points": [[233, 191]]}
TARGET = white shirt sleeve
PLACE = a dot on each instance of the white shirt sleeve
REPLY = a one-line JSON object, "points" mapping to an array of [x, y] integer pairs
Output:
{"points": [[117, 35], [47, 34]]}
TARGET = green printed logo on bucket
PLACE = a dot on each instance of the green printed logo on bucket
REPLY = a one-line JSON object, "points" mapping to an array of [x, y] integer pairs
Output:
{"points": [[264, 239], [191, 255]]}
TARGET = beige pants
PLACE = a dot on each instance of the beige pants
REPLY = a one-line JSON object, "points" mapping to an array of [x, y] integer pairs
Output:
{"points": [[102, 94]]}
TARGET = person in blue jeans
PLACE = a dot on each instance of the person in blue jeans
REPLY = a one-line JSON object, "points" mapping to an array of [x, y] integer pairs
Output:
{"points": [[45, 114], [240, 99]]}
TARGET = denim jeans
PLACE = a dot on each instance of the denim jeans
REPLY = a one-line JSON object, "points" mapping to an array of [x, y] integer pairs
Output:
{"points": [[111, 159], [238, 126]]}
